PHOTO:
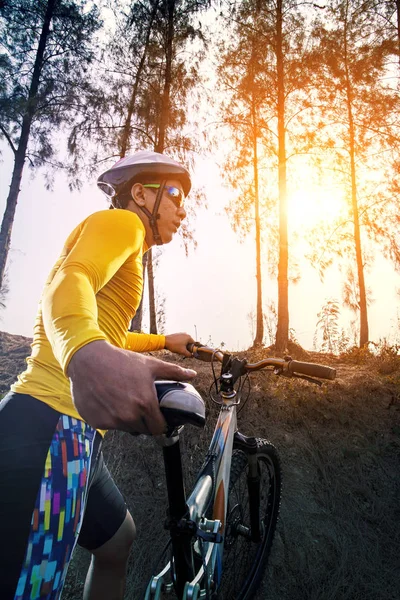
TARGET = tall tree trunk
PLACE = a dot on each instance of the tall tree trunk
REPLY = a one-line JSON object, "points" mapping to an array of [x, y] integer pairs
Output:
{"points": [[20, 153], [282, 332], [126, 131], [364, 333], [160, 143], [152, 301], [398, 26], [357, 237], [136, 323], [165, 102], [259, 318]]}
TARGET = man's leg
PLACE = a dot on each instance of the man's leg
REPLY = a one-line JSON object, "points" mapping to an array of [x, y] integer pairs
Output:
{"points": [[45, 459], [107, 532], [107, 572]]}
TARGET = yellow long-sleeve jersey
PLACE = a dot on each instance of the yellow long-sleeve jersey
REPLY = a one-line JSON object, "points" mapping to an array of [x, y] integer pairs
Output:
{"points": [[92, 293]]}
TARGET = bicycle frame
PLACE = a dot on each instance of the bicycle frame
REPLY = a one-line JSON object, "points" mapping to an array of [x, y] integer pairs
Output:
{"points": [[198, 541], [187, 520]]}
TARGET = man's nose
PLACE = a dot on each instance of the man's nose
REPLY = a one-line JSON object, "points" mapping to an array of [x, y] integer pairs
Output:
{"points": [[182, 213]]}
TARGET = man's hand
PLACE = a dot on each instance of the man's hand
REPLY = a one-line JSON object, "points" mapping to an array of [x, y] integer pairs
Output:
{"points": [[114, 389], [177, 342]]}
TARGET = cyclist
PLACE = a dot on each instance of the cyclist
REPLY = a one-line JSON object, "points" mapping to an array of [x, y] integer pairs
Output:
{"points": [[84, 376]]}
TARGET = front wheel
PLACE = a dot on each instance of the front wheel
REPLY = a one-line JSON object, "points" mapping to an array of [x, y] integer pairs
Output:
{"points": [[244, 560]]}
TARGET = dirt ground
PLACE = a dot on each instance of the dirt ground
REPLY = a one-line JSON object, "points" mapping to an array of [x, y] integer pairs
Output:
{"points": [[338, 536]]}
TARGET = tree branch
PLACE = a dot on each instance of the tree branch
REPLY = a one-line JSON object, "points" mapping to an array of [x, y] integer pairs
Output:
{"points": [[9, 140]]}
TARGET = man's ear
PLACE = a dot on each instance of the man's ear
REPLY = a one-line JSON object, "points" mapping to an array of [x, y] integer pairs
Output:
{"points": [[138, 194]]}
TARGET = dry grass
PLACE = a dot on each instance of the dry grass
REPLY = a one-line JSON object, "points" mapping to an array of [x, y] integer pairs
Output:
{"points": [[338, 537]]}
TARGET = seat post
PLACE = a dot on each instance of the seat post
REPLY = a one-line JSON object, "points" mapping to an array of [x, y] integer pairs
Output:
{"points": [[183, 567], [174, 477]]}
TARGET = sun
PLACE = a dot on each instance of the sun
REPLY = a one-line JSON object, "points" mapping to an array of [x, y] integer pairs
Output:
{"points": [[310, 205]]}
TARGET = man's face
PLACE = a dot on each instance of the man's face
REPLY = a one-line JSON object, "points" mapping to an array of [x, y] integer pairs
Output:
{"points": [[171, 210]]}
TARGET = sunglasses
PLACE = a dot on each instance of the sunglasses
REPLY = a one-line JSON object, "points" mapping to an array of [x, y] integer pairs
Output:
{"points": [[174, 193]]}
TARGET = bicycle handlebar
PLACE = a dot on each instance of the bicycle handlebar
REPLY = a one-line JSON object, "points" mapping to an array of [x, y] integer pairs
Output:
{"points": [[311, 369], [286, 366]]}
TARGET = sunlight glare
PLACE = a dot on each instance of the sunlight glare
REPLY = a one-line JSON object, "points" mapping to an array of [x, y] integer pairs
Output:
{"points": [[310, 205]]}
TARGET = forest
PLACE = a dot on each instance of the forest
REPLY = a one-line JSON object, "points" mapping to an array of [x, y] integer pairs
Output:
{"points": [[298, 103], [279, 91]]}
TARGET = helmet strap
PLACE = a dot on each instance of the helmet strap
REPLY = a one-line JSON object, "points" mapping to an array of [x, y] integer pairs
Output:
{"points": [[154, 216]]}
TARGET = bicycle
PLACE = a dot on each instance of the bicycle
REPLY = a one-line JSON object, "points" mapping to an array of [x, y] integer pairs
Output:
{"points": [[221, 535]]}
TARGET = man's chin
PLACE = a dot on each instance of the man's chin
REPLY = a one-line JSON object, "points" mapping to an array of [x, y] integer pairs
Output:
{"points": [[166, 239]]}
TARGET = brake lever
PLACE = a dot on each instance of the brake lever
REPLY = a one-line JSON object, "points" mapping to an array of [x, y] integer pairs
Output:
{"points": [[307, 378], [280, 371]]}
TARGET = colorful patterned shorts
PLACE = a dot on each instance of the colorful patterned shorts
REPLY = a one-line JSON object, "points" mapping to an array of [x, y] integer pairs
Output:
{"points": [[54, 492]]}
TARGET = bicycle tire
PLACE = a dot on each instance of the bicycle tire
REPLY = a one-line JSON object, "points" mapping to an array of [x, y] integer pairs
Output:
{"points": [[244, 561]]}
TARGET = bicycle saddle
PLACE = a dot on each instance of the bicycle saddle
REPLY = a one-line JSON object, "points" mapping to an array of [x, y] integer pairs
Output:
{"points": [[180, 403]]}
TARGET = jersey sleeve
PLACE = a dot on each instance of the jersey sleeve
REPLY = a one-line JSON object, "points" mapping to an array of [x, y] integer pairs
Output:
{"points": [[144, 342], [105, 241]]}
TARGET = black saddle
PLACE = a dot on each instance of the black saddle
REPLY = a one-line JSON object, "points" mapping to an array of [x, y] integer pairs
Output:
{"points": [[180, 403]]}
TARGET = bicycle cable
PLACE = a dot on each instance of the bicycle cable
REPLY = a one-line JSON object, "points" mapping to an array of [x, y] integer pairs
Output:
{"points": [[203, 553], [162, 557], [215, 382], [246, 379]]}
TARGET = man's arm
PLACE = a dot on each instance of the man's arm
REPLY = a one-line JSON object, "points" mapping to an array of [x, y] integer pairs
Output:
{"points": [[69, 307], [111, 388], [177, 342], [114, 388], [147, 342]]}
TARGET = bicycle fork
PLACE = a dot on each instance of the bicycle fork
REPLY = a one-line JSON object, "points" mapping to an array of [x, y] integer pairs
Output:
{"points": [[249, 446]]}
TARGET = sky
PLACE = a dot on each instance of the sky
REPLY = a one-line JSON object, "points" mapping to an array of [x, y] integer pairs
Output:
{"points": [[209, 294]]}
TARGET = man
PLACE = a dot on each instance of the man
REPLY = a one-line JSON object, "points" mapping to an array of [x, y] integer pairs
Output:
{"points": [[84, 376]]}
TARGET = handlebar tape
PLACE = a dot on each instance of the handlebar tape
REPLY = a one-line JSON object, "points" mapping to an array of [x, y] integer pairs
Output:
{"points": [[311, 369]]}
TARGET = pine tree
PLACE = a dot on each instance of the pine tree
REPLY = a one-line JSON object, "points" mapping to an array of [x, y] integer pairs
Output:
{"points": [[266, 68], [241, 71], [149, 85], [46, 52], [359, 128], [328, 319], [390, 11]]}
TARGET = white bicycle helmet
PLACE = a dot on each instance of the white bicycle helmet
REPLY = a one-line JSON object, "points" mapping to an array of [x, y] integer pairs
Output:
{"points": [[119, 179], [129, 170]]}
